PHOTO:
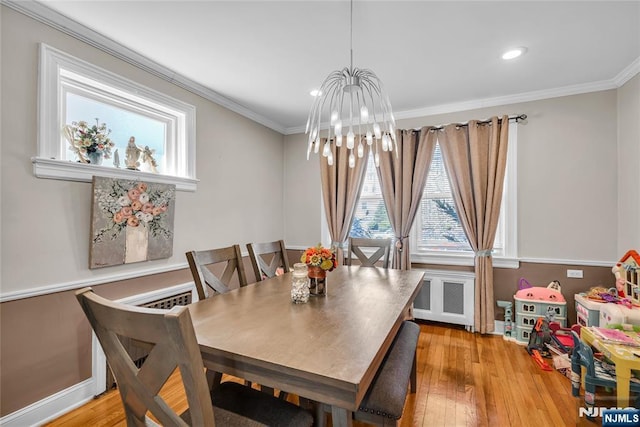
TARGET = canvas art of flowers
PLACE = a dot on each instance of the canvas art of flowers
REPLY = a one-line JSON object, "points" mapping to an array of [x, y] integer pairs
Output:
{"points": [[88, 139], [133, 204], [319, 256]]}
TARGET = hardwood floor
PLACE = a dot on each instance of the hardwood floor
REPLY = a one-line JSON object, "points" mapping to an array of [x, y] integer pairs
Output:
{"points": [[464, 379]]}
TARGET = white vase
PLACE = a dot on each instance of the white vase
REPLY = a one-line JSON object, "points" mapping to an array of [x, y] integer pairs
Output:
{"points": [[95, 158], [136, 244]]}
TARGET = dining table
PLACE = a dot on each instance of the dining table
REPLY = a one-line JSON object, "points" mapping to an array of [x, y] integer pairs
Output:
{"points": [[327, 350]]}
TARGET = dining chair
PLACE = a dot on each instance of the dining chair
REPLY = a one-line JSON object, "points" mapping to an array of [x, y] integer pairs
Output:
{"points": [[384, 400], [207, 283], [267, 257], [596, 374], [174, 347], [381, 248]]}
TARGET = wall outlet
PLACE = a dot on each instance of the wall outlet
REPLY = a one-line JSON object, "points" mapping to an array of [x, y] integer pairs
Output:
{"points": [[575, 274]]}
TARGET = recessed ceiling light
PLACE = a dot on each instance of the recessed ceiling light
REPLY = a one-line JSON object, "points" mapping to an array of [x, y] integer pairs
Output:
{"points": [[315, 92], [514, 53]]}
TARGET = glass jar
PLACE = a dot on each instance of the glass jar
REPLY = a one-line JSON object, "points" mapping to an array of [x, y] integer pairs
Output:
{"points": [[300, 284]]}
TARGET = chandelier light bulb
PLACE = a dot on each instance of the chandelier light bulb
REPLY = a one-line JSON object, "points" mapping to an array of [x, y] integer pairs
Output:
{"points": [[360, 150], [369, 138], [338, 140], [326, 149], [385, 142], [364, 114], [376, 131], [376, 159], [350, 140], [330, 159], [338, 127], [352, 160]]}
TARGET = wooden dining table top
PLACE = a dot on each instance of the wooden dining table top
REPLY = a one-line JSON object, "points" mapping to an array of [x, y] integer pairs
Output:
{"points": [[327, 350]]}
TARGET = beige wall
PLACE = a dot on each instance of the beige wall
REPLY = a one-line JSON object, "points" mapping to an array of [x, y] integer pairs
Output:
{"points": [[629, 165], [567, 176], [45, 223]]}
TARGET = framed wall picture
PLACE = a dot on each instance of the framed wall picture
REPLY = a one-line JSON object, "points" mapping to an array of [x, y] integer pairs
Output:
{"points": [[132, 221]]}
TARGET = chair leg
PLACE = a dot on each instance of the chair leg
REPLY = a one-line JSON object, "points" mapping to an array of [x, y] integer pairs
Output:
{"points": [[413, 379], [213, 379], [590, 399], [576, 371]]}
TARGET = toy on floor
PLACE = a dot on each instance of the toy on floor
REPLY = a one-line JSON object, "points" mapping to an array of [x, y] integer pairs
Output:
{"points": [[539, 337], [551, 293], [540, 361], [508, 312], [562, 336]]}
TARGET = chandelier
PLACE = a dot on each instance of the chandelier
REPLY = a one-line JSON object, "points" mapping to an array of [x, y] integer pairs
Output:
{"points": [[356, 108]]}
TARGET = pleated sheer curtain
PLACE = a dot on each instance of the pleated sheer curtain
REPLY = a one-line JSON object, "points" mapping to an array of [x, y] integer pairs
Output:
{"points": [[341, 186], [402, 180], [475, 157]]}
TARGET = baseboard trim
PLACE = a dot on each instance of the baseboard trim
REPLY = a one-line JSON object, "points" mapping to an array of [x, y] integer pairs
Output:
{"points": [[51, 407]]}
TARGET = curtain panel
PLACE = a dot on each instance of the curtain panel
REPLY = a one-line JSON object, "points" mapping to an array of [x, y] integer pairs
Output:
{"points": [[341, 186], [402, 180], [475, 157]]}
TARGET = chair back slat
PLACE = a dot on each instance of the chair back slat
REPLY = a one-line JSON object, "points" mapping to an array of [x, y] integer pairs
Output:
{"points": [[267, 257], [381, 254], [207, 283]]}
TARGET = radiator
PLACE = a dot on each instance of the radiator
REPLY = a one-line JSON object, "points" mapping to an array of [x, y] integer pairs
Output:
{"points": [[446, 296]]}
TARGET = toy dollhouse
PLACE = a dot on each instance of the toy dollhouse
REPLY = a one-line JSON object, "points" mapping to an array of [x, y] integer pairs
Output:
{"points": [[627, 273]]}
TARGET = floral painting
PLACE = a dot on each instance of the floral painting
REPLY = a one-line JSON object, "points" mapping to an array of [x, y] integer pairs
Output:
{"points": [[132, 221]]}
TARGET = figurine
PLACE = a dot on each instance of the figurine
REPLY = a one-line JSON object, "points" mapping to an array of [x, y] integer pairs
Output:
{"points": [[147, 157], [133, 155], [116, 158]]}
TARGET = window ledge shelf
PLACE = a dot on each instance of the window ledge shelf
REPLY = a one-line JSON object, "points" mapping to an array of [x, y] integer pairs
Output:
{"points": [[70, 171], [466, 260]]}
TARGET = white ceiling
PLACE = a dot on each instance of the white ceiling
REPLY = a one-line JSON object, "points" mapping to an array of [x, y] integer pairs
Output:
{"points": [[433, 56]]}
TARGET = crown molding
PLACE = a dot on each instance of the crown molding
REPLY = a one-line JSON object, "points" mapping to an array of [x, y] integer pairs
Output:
{"points": [[628, 73], [54, 19], [505, 100]]}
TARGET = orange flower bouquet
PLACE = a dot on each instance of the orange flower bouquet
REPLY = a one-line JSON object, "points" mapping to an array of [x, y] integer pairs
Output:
{"points": [[319, 256]]}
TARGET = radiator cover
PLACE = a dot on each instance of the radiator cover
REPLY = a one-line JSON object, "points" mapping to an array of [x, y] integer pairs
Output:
{"points": [[446, 296]]}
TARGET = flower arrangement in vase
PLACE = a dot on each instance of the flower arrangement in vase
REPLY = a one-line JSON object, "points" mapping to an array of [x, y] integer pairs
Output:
{"points": [[319, 260], [90, 143]]}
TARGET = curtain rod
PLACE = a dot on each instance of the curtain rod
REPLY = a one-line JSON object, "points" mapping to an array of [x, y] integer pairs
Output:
{"points": [[516, 118]]}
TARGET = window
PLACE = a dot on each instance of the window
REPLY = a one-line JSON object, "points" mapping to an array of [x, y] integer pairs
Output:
{"points": [[370, 219], [72, 91], [437, 236]]}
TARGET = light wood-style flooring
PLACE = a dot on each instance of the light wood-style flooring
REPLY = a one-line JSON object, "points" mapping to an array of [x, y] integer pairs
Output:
{"points": [[464, 379]]}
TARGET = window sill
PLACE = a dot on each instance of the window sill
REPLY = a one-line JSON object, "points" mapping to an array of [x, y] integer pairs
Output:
{"points": [[466, 260], [70, 171]]}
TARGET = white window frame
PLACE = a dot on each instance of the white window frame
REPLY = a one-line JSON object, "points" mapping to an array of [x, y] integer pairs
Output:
{"points": [[60, 71], [506, 258]]}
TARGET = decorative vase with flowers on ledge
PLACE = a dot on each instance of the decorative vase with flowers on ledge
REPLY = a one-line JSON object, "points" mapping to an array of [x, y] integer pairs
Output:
{"points": [[90, 143], [319, 261]]}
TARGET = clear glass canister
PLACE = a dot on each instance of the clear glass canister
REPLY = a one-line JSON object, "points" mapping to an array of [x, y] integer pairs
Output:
{"points": [[300, 284]]}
